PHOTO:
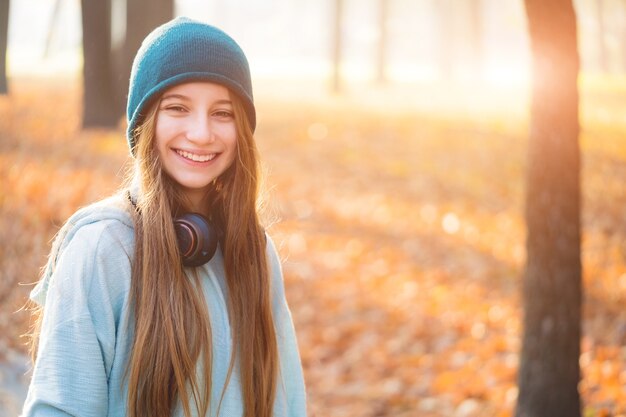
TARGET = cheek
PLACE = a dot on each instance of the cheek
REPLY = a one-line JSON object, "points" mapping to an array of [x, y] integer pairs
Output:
{"points": [[226, 131], [164, 131], [159, 133], [160, 147], [229, 138]]}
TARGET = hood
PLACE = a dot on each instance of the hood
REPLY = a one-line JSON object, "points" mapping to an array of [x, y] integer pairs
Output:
{"points": [[112, 208]]}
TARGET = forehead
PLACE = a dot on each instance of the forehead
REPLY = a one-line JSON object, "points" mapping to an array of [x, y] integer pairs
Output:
{"points": [[197, 90]]}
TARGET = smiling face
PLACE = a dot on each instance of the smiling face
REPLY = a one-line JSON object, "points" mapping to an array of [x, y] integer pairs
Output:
{"points": [[196, 136]]}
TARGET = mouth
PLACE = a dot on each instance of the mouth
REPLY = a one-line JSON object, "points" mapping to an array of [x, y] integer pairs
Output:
{"points": [[195, 157]]}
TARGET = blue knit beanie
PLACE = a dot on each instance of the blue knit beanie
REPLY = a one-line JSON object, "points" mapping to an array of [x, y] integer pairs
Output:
{"points": [[180, 51]]}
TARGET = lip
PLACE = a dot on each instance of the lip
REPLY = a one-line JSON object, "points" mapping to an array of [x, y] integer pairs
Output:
{"points": [[199, 153]]}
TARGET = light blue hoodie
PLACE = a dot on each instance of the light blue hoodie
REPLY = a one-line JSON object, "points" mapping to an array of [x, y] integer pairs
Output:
{"points": [[87, 329]]}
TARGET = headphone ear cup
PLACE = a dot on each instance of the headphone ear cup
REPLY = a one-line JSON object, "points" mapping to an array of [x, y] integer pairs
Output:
{"points": [[197, 240]]}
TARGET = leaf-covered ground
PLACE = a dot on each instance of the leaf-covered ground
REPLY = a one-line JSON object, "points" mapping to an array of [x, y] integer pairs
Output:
{"points": [[399, 216]]}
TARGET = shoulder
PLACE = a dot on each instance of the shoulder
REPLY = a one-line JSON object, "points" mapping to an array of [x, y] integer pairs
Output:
{"points": [[276, 272], [273, 258], [102, 228], [98, 237], [104, 223], [112, 212]]}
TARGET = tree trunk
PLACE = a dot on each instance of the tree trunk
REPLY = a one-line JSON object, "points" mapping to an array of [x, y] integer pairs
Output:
{"points": [[445, 50], [476, 37], [622, 31], [52, 27], [381, 58], [603, 57], [336, 46], [142, 16], [549, 368], [4, 36], [98, 104]]}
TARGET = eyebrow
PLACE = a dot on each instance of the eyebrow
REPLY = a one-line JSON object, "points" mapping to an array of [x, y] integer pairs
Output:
{"points": [[185, 98], [178, 96]]}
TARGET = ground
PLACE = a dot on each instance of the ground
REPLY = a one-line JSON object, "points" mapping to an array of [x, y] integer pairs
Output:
{"points": [[398, 213]]}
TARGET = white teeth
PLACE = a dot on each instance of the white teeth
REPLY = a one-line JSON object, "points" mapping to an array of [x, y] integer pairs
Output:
{"points": [[194, 157]]}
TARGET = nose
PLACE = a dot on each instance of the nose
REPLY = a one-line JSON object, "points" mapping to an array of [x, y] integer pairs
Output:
{"points": [[199, 130]]}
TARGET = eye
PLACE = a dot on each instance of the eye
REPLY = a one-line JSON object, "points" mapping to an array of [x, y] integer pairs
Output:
{"points": [[223, 114], [175, 108]]}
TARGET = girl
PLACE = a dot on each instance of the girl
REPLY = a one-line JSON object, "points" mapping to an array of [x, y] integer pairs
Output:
{"points": [[148, 310]]}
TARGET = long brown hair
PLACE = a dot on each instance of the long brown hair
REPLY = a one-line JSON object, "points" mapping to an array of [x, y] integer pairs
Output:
{"points": [[168, 305], [172, 327]]}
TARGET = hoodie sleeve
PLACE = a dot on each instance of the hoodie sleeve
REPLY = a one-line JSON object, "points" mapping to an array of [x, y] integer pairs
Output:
{"points": [[77, 341], [291, 387]]}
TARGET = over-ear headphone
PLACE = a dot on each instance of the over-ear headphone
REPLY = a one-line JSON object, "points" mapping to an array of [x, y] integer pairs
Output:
{"points": [[197, 238]]}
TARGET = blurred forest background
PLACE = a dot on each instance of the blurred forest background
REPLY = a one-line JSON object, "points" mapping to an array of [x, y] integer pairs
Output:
{"points": [[394, 136]]}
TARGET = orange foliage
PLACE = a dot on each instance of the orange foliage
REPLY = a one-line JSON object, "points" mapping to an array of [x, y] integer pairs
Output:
{"points": [[402, 237]]}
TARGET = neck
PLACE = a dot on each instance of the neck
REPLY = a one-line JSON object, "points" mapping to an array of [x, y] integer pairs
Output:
{"points": [[198, 201]]}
